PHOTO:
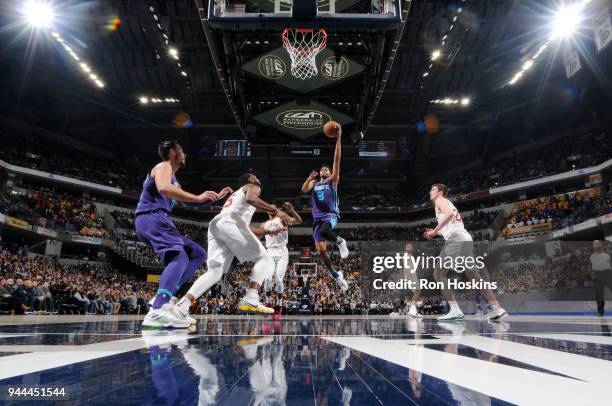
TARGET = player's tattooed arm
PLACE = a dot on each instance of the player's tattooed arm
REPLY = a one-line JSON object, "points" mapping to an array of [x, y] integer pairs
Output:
{"points": [[310, 182], [163, 181], [335, 176]]}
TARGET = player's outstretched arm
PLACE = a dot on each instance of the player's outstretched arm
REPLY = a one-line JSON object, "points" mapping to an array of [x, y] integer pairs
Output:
{"points": [[163, 182], [310, 182], [252, 197], [337, 156], [224, 192]]}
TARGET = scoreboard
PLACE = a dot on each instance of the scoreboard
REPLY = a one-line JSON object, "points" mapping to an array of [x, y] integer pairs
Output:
{"points": [[233, 148], [383, 148]]}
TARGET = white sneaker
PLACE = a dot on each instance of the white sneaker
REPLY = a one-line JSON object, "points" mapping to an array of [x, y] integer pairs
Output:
{"points": [[163, 318], [180, 314], [248, 304], [452, 315], [344, 251], [342, 282], [496, 315]]}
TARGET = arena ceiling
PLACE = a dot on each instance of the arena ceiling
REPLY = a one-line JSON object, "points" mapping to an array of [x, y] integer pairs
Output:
{"points": [[487, 43]]}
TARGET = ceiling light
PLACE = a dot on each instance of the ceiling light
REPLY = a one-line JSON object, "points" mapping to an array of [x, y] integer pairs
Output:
{"points": [[174, 53], [465, 101], [38, 13], [144, 100], [435, 54], [566, 21]]}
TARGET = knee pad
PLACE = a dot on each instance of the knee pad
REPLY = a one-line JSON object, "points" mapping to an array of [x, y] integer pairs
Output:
{"points": [[215, 269]]}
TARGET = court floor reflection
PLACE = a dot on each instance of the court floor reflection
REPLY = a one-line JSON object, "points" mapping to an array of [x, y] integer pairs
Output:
{"points": [[313, 361]]}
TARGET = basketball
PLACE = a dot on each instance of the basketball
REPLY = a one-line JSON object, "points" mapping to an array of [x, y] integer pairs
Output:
{"points": [[331, 129]]}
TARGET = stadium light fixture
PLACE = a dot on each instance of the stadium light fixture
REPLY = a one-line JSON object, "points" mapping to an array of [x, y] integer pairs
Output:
{"points": [[38, 13], [465, 101], [435, 54], [174, 53], [144, 100]]}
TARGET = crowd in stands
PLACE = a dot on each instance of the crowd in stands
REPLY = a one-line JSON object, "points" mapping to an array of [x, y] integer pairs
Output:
{"points": [[37, 283], [569, 154], [39, 153], [567, 271], [314, 295], [57, 211], [560, 211]]}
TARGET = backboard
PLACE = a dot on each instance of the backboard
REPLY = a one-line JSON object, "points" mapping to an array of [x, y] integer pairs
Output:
{"points": [[276, 14]]}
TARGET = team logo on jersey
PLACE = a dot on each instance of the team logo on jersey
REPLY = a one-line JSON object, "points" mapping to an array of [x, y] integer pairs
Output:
{"points": [[272, 67], [302, 119], [334, 69]]}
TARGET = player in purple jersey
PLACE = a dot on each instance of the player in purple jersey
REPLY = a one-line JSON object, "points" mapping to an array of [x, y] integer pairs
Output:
{"points": [[181, 256], [325, 210]]}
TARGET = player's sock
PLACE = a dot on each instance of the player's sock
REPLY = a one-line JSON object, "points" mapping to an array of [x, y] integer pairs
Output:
{"points": [[170, 278], [334, 273], [339, 240], [455, 308], [252, 294]]}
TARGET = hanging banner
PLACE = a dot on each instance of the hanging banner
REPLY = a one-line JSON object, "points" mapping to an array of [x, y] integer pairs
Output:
{"points": [[572, 62], [601, 28]]}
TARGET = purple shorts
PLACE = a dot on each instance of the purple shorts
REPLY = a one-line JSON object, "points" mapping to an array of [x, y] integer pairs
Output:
{"points": [[157, 230], [318, 223]]}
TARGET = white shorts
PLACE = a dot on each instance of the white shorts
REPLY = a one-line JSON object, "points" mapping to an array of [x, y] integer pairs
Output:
{"points": [[455, 250], [228, 237]]}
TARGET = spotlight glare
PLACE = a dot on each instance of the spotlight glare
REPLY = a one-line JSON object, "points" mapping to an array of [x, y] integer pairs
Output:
{"points": [[144, 100], [435, 54], [566, 21], [174, 53], [184, 73], [527, 65], [465, 101], [85, 67], [38, 13]]}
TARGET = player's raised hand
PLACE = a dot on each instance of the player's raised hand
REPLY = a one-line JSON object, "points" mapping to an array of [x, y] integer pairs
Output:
{"points": [[208, 196], [313, 175], [225, 191]]}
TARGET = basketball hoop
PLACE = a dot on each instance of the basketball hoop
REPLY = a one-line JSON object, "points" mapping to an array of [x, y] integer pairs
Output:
{"points": [[303, 45]]}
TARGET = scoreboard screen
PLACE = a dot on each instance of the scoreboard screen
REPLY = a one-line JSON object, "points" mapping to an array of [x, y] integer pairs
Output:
{"points": [[233, 148], [377, 148]]}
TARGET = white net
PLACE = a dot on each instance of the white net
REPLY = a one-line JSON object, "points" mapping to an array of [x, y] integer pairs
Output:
{"points": [[303, 46]]}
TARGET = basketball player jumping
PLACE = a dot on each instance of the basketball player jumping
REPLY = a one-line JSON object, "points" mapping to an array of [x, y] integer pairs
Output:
{"points": [[276, 244], [325, 210], [181, 256], [229, 236], [459, 243]]}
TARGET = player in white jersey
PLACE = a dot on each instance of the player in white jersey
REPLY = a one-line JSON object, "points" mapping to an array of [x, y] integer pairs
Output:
{"points": [[229, 236], [459, 246], [276, 244], [410, 273]]}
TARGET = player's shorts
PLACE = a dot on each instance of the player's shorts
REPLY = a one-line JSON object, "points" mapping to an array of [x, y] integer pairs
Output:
{"points": [[458, 252], [229, 236], [319, 222], [157, 230]]}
